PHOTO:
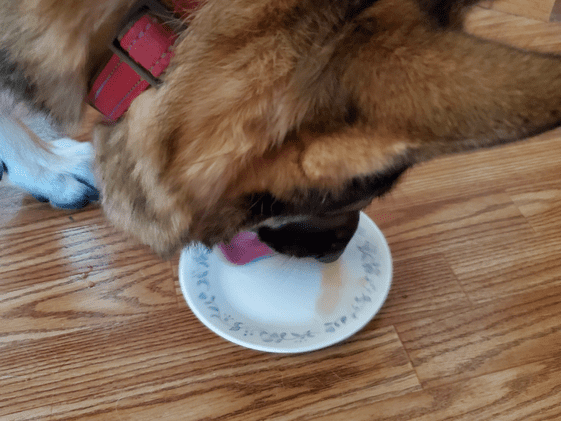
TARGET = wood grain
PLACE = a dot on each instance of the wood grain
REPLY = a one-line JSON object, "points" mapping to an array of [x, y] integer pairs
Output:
{"points": [[535, 9], [483, 339], [93, 326], [165, 362], [525, 393]]}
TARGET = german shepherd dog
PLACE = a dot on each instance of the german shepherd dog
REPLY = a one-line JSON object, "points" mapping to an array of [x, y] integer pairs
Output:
{"points": [[285, 117]]}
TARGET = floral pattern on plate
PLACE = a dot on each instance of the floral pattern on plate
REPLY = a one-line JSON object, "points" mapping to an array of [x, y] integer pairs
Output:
{"points": [[374, 277]]}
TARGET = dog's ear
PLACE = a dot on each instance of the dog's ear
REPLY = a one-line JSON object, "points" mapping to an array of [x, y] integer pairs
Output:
{"points": [[422, 94], [409, 93]]}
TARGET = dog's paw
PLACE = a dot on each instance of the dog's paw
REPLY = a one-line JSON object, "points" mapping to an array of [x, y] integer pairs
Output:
{"points": [[62, 177]]}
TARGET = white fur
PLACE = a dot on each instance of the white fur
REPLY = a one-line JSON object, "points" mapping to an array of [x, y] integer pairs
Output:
{"points": [[60, 173]]}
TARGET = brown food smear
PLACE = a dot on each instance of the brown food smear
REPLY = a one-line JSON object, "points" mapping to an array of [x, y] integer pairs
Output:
{"points": [[331, 287]]}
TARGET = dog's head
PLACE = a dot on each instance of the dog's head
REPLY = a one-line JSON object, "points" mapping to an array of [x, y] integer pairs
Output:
{"points": [[254, 128], [288, 117]]}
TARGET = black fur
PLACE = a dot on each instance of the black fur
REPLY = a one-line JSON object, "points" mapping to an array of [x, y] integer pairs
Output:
{"points": [[324, 202], [324, 238], [354, 8], [330, 219], [12, 79], [447, 13]]}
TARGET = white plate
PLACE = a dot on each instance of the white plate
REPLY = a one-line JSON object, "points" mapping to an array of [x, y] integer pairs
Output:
{"points": [[288, 305]]}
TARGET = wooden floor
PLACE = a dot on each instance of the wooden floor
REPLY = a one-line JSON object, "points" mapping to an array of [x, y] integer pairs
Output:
{"points": [[93, 327], [545, 10]]}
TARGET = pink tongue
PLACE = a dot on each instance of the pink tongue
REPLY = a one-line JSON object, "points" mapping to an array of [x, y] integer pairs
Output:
{"points": [[244, 248]]}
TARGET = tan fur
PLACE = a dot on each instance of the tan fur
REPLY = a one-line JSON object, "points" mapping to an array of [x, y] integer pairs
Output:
{"points": [[263, 97], [56, 41]]}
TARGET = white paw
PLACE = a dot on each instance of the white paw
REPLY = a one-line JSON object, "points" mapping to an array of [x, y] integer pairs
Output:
{"points": [[62, 177]]}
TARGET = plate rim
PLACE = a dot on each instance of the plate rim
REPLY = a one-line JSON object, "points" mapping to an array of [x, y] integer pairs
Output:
{"points": [[187, 251]]}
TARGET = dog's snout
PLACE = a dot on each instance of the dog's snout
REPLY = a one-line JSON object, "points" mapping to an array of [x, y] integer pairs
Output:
{"points": [[324, 238], [331, 257]]}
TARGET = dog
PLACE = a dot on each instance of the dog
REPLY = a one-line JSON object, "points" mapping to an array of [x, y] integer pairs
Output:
{"points": [[285, 117]]}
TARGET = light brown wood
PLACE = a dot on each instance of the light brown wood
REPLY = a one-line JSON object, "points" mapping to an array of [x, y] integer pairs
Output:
{"points": [[94, 327], [535, 9]]}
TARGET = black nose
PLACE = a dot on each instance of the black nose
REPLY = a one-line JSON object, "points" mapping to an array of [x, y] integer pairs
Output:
{"points": [[323, 237], [331, 257]]}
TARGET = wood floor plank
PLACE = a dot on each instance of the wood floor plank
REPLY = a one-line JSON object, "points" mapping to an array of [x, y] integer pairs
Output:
{"points": [[57, 307], [539, 202], [159, 370], [535, 9], [39, 238], [422, 286], [526, 393], [478, 172], [455, 224], [509, 265], [516, 30], [496, 336]]}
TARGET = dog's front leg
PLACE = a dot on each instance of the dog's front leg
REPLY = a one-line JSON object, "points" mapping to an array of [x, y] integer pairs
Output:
{"points": [[53, 169]]}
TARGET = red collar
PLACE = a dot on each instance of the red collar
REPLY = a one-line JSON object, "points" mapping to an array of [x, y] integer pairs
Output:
{"points": [[142, 51]]}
